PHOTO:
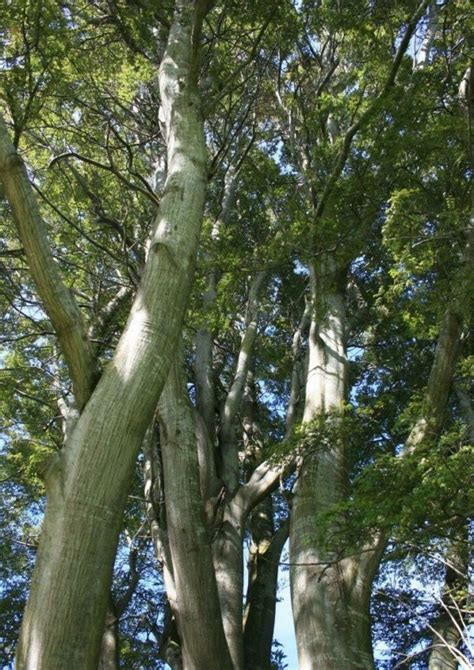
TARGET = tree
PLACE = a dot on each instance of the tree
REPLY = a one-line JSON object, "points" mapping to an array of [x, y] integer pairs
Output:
{"points": [[83, 516], [333, 223]]}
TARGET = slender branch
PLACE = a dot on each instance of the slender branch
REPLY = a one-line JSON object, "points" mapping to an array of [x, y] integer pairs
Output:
{"points": [[58, 301], [74, 225], [148, 193]]}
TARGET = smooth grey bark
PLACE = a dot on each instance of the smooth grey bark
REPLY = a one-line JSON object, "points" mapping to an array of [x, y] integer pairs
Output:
{"points": [[227, 551], [430, 421], [88, 482], [110, 646], [109, 650], [196, 605], [263, 477], [423, 56], [223, 519], [168, 638], [203, 369], [330, 596], [224, 513], [264, 549], [298, 373], [237, 500]]}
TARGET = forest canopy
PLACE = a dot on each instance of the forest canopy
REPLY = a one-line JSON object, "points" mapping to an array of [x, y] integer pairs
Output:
{"points": [[236, 262]]}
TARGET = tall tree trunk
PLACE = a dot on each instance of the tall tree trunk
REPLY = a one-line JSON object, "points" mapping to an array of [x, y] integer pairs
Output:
{"points": [[330, 596], [265, 547], [227, 550], [88, 482]]}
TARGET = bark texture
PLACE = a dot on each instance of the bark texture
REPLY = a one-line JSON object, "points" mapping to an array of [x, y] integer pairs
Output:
{"points": [[109, 650], [264, 557], [196, 604], [88, 482], [330, 595]]}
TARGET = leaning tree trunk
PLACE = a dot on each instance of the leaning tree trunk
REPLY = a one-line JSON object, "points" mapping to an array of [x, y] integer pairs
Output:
{"points": [[88, 482], [329, 594]]}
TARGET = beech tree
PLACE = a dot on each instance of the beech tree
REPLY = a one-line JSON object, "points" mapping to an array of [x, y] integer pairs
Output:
{"points": [[236, 259]]}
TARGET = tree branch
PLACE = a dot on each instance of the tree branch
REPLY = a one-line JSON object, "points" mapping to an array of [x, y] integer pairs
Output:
{"points": [[371, 110], [57, 299]]}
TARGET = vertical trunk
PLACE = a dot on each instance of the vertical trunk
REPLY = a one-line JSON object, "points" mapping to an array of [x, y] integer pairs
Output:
{"points": [[330, 596], [259, 613], [232, 511], [88, 482], [168, 637], [204, 374], [264, 550], [196, 606], [422, 58], [228, 564], [264, 558], [227, 441]]}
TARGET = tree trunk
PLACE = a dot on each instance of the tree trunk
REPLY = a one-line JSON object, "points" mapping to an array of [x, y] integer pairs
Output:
{"points": [[109, 651], [87, 484], [329, 594], [265, 546], [264, 557], [448, 628], [227, 551], [196, 604]]}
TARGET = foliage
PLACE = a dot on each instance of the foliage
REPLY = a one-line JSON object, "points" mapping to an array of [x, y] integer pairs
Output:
{"points": [[282, 85]]}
